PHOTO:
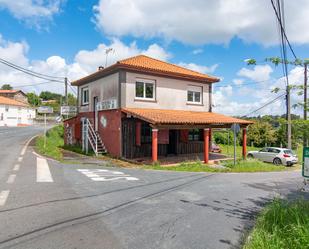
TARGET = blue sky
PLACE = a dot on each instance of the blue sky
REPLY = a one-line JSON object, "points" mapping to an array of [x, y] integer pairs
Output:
{"points": [[69, 37]]}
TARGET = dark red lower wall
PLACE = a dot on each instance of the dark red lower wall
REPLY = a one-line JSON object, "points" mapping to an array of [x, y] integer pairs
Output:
{"points": [[109, 128]]}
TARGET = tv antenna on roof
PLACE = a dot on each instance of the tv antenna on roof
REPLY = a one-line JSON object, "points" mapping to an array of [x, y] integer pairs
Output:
{"points": [[107, 51]]}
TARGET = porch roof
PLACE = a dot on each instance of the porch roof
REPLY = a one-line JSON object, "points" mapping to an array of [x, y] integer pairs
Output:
{"points": [[159, 117]]}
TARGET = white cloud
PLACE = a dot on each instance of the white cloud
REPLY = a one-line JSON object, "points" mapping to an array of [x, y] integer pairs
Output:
{"points": [[32, 11], [258, 73], [246, 99], [205, 21], [85, 62], [238, 82], [197, 51], [199, 68]]}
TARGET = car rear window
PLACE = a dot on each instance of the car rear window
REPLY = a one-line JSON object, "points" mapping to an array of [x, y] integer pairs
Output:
{"points": [[289, 152]]}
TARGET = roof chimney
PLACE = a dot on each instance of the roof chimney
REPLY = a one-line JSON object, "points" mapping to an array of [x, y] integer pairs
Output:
{"points": [[100, 68]]}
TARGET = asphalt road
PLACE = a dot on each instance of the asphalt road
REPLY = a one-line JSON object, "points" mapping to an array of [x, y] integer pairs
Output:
{"points": [[45, 204]]}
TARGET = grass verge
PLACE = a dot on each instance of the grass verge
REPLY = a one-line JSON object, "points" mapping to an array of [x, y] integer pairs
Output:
{"points": [[282, 224], [185, 166], [54, 143], [252, 165]]}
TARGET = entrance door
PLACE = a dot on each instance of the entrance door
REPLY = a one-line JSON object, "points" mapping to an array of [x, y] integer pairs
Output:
{"points": [[95, 110], [171, 149]]}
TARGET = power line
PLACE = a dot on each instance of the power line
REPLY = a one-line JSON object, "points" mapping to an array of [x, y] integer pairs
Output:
{"points": [[36, 84], [268, 103], [282, 28], [29, 72]]}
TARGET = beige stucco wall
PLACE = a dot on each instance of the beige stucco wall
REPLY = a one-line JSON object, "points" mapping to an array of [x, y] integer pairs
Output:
{"points": [[170, 94], [105, 88]]}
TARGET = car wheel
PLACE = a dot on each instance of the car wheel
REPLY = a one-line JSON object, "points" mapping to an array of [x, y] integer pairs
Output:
{"points": [[277, 161], [250, 156]]}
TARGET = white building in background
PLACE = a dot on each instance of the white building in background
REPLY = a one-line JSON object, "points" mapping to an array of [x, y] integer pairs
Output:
{"points": [[15, 113]]}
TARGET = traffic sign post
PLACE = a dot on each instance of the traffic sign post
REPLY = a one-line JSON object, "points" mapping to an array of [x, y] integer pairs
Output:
{"points": [[68, 110], [45, 110], [305, 170]]}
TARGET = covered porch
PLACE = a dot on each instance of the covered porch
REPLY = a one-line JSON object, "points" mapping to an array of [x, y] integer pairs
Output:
{"points": [[160, 135]]}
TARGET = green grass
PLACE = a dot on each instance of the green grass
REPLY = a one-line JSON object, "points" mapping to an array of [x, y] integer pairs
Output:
{"points": [[54, 143], [185, 166], [252, 165], [281, 225], [78, 149], [229, 150]]}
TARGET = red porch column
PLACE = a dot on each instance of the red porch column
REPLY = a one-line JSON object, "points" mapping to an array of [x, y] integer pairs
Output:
{"points": [[244, 143], [210, 138], [206, 145], [154, 145]]}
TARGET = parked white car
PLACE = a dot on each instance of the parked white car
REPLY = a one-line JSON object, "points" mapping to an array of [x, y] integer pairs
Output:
{"points": [[275, 155]]}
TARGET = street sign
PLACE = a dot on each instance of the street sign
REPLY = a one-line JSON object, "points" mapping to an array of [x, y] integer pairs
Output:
{"points": [[45, 109], [68, 110], [305, 171], [107, 105], [235, 128]]}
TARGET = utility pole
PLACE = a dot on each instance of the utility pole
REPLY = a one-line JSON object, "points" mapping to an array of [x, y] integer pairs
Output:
{"points": [[305, 142], [66, 90], [288, 117]]}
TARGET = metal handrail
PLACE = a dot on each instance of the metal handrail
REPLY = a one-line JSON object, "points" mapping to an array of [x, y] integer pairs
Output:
{"points": [[94, 136]]}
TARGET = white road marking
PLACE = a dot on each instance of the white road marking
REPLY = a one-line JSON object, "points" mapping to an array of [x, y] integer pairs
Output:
{"points": [[23, 151], [16, 167], [3, 196], [102, 175], [11, 179], [43, 173], [20, 159]]}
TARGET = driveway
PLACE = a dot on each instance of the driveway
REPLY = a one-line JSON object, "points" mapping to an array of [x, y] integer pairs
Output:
{"points": [[46, 204]]}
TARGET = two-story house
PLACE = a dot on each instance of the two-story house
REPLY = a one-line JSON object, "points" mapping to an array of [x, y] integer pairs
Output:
{"points": [[143, 107]]}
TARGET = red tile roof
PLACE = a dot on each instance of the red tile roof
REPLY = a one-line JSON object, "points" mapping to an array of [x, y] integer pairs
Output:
{"points": [[9, 101], [178, 117], [145, 64], [8, 91]]}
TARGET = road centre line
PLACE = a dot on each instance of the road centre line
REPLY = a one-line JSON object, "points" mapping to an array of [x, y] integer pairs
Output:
{"points": [[16, 167], [3, 196], [43, 173], [20, 159], [11, 179]]}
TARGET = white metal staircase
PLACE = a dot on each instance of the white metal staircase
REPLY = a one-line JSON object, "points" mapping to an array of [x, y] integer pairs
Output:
{"points": [[92, 137]]}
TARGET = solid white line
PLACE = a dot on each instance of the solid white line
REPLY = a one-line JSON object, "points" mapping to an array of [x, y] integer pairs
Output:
{"points": [[3, 196], [43, 173], [20, 159], [16, 167], [11, 179], [23, 151]]}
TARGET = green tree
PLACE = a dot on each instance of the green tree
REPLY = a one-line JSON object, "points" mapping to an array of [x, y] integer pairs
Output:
{"points": [[72, 100], [33, 99], [47, 95], [261, 133], [6, 87]]}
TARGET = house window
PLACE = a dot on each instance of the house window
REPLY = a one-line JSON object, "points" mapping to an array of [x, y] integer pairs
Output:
{"points": [[145, 89], [1, 117], [85, 96], [146, 136], [195, 135], [194, 95]]}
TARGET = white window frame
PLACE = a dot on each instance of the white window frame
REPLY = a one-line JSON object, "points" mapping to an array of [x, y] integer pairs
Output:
{"points": [[146, 81], [83, 90], [195, 90]]}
